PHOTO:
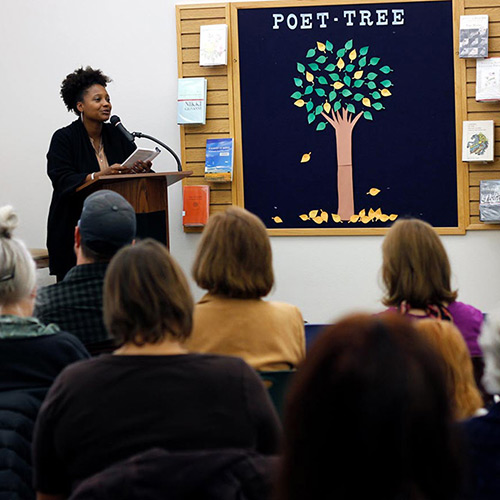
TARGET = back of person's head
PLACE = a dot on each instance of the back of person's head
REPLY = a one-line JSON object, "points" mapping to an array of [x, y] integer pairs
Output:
{"points": [[17, 268], [449, 343], [368, 416], [107, 224], [415, 266], [234, 257], [146, 296]]}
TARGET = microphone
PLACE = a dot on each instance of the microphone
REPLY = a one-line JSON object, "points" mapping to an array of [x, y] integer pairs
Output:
{"points": [[115, 121]]}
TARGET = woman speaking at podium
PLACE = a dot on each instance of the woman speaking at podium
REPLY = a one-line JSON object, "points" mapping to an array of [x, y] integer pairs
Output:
{"points": [[80, 152]]}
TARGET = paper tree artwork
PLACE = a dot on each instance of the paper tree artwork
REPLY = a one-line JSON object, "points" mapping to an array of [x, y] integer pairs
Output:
{"points": [[337, 86]]}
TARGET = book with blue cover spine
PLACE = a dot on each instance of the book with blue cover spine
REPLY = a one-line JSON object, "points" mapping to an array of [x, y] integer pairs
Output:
{"points": [[219, 160]]}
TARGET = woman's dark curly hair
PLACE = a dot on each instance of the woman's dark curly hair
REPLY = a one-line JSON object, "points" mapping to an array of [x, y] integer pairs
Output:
{"points": [[75, 84]]}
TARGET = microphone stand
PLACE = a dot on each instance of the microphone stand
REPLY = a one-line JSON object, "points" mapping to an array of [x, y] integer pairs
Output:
{"points": [[170, 150]]}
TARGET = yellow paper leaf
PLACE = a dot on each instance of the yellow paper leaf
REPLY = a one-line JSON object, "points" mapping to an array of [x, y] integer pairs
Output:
{"points": [[336, 218], [365, 219], [384, 218], [299, 103], [338, 85], [304, 217], [277, 219], [324, 215], [371, 213], [305, 158], [318, 220], [358, 74], [385, 92], [327, 107], [393, 217], [362, 213], [313, 213], [321, 46], [309, 76], [354, 218], [366, 101], [340, 63], [352, 55], [378, 212], [373, 191]]}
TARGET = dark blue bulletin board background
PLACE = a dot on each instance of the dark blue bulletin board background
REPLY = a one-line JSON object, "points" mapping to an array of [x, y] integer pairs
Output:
{"points": [[407, 151]]}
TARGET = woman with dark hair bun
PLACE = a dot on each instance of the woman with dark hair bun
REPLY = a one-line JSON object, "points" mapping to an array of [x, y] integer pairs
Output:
{"points": [[80, 152], [368, 416]]}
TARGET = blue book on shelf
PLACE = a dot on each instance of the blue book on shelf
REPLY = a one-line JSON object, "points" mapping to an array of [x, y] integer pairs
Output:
{"points": [[219, 160]]}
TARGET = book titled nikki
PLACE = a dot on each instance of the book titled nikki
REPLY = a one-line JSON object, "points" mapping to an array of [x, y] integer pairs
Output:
{"points": [[219, 160], [478, 141], [473, 36], [192, 101]]}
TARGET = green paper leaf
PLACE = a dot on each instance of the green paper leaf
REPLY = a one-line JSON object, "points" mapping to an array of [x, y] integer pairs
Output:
{"points": [[385, 69], [321, 126], [318, 110], [330, 67], [309, 105], [346, 93], [334, 76], [321, 59], [337, 106], [310, 118], [341, 53], [347, 80], [358, 97], [386, 83], [358, 83], [311, 53], [329, 46], [296, 95], [348, 45], [376, 95], [332, 95], [314, 66], [351, 108], [371, 76], [320, 92], [367, 115], [362, 62], [363, 51], [349, 67], [371, 85], [377, 105], [308, 90], [300, 68], [374, 61], [322, 80], [298, 82]]}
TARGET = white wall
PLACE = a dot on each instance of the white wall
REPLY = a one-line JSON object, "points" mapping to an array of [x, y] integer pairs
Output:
{"points": [[135, 43]]}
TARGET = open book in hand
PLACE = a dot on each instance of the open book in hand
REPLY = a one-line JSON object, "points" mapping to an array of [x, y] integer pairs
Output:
{"points": [[141, 154]]}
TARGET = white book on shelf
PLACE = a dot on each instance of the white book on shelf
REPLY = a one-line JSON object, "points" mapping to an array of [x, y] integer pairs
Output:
{"points": [[488, 79], [473, 36], [478, 141], [213, 45], [191, 101]]}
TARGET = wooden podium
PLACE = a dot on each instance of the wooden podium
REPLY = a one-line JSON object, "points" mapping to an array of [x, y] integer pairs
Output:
{"points": [[147, 193]]}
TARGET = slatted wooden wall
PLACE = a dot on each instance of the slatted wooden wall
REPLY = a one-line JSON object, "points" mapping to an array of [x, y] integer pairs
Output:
{"points": [[219, 98], [483, 111]]}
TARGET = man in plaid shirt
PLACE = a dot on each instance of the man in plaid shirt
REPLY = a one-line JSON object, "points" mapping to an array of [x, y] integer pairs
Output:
{"points": [[107, 223]]}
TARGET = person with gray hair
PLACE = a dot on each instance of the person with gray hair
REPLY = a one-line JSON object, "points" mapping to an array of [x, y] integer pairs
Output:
{"points": [[483, 433], [31, 356]]}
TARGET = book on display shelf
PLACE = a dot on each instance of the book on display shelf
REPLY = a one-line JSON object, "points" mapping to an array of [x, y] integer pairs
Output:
{"points": [[192, 101]]}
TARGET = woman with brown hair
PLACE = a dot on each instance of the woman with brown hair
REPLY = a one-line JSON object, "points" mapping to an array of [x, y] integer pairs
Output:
{"points": [[150, 392], [416, 275], [448, 342], [234, 264]]}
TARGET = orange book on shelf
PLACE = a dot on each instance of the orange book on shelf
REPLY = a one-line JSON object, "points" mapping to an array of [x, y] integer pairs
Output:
{"points": [[196, 206]]}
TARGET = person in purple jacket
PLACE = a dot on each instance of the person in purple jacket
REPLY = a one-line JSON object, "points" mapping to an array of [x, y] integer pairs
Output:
{"points": [[416, 276]]}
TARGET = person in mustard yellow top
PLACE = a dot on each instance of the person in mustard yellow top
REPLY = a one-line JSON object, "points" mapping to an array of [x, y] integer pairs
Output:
{"points": [[234, 264]]}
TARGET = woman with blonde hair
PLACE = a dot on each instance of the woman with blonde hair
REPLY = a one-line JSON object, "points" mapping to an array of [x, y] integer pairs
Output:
{"points": [[416, 274], [446, 339], [234, 264]]}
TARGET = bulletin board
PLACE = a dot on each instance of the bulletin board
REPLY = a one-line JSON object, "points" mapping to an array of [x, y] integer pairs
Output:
{"points": [[347, 115]]}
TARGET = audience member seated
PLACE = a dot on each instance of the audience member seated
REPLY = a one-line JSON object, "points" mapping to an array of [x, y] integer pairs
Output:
{"points": [[368, 416], [483, 433], [107, 223], [31, 356], [234, 264], [416, 274], [150, 392], [448, 342]]}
